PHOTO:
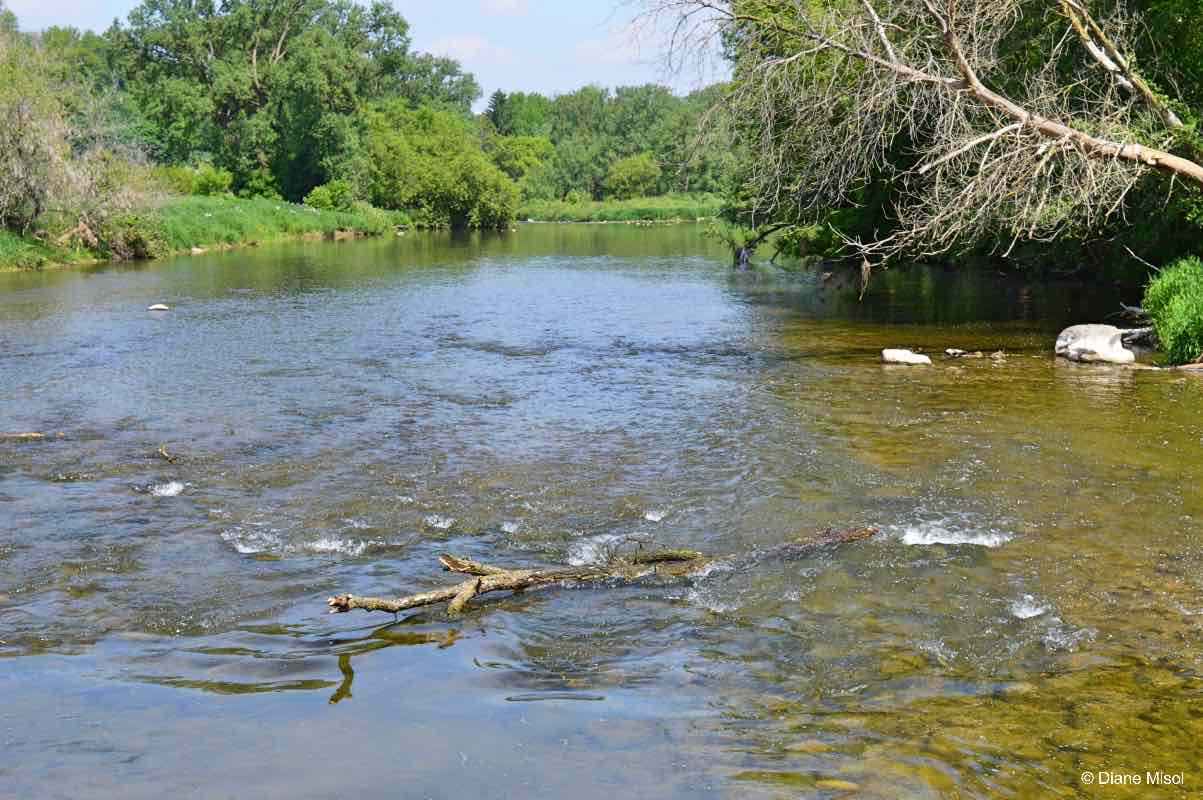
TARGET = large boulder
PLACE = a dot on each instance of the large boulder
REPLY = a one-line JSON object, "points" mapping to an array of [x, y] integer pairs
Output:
{"points": [[892, 356], [1090, 343]]}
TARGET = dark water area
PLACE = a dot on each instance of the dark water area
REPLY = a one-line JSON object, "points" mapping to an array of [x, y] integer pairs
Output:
{"points": [[341, 413]]}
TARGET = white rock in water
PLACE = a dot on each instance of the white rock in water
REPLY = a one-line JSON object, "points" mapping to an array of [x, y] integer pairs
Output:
{"points": [[1094, 343], [158, 307], [953, 352], [903, 357]]}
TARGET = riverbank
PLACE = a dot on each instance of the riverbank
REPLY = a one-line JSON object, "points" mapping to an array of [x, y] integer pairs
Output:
{"points": [[185, 223], [665, 208]]}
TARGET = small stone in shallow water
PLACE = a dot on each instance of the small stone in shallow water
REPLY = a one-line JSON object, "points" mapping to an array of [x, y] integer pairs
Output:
{"points": [[953, 352], [158, 307], [897, 356], [808, 746]]}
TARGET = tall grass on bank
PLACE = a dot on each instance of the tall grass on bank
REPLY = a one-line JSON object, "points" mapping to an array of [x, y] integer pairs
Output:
{"points": [[661, 209], [1174, 301], [199, 221], [182, 223], [25, 252]]}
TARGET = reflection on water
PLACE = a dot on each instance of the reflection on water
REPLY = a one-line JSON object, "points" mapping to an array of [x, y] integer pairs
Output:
{"points": [[329, 417]]}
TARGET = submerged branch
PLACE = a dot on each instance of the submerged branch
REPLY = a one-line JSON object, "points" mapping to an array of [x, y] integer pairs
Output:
{"points": [[623, 570]]}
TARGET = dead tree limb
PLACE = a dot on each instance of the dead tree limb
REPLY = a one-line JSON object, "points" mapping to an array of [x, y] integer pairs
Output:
{"points": [[1005, 139], [622, 570]]}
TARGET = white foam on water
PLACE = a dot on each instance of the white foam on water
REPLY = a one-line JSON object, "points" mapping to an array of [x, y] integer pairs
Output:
{"points": [[356, 524], [439, 521], [510, 527], [1027, 607], [939, 650], [595, 550], [655, 514], [713, 567], [707, 600], [328, 544], [169, 489], [944, 532], [1064, 637], [406, 499], [251, 542]]}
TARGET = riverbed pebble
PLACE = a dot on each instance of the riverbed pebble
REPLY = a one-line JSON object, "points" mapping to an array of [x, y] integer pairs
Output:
{"points": [[158, 307]]}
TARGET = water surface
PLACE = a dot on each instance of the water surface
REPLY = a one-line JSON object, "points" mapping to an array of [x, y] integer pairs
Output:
{"points": [[339, 414]]}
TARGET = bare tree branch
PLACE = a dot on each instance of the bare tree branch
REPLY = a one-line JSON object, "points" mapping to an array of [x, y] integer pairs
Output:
{"points": [[831, 99]]}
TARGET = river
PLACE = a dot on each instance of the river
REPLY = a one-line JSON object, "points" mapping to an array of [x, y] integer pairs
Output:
{"points": [[339, 414]]}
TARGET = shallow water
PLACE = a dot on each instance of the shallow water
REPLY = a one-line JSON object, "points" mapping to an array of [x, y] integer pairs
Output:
{"points": [[339, 414]]}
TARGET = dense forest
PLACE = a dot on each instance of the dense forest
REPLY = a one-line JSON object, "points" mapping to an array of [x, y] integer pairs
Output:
{"points": [[323, 102]]}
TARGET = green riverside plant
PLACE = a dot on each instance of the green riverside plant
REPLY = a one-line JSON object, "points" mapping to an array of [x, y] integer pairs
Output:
{"points": [[1174, 301]]}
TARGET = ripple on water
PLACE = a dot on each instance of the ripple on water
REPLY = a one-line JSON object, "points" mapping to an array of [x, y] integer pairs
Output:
{"points": [[950, 531], [594, 550], [169, 489], [439, 521], [253, 539], [1026, 607]]}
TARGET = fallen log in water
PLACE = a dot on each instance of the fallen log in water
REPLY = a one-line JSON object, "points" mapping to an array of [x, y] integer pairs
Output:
{"points": [[621, 570]]}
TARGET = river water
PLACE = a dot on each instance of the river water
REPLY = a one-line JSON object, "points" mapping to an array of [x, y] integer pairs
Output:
{"points": [[340, 414]]}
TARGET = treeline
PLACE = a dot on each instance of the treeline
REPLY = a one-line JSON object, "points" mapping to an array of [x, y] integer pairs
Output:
{"points": [[593, 144], [323, 102]]}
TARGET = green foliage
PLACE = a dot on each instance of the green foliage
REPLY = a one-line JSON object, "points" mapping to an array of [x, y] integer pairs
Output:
{"points": [[34, 145], [24, 252], [337, 195], [517, 156], [1174, 300], [210, 180], [430, 163], [661, 208], [266, 90], [632, 176], [8, 20], [636, 140]]}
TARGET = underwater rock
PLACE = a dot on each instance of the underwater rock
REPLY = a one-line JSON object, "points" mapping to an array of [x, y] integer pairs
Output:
{"points": [[158, 307]]}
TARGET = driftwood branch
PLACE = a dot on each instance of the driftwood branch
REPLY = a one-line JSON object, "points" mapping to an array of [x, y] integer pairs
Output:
{"points": [[627, 569]]}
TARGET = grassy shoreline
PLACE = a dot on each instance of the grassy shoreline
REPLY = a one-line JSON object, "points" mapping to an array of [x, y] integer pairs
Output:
{"points": [[184, 224], [209, 223], [665, 208]]}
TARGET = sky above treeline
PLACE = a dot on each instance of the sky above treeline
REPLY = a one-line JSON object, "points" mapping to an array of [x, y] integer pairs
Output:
{"points": [[548, 46]]}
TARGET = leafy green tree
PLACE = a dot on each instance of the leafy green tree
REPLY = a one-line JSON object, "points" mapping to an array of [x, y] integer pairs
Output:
{"points": [[632, 176], [529, 114], [516, 156], [34, 147], [8, 20], [499, 113], [337, 195], [430, 163], [264, 89]]}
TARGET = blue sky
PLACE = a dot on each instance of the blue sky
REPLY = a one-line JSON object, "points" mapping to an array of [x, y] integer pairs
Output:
{"points": [[549, 46]]}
